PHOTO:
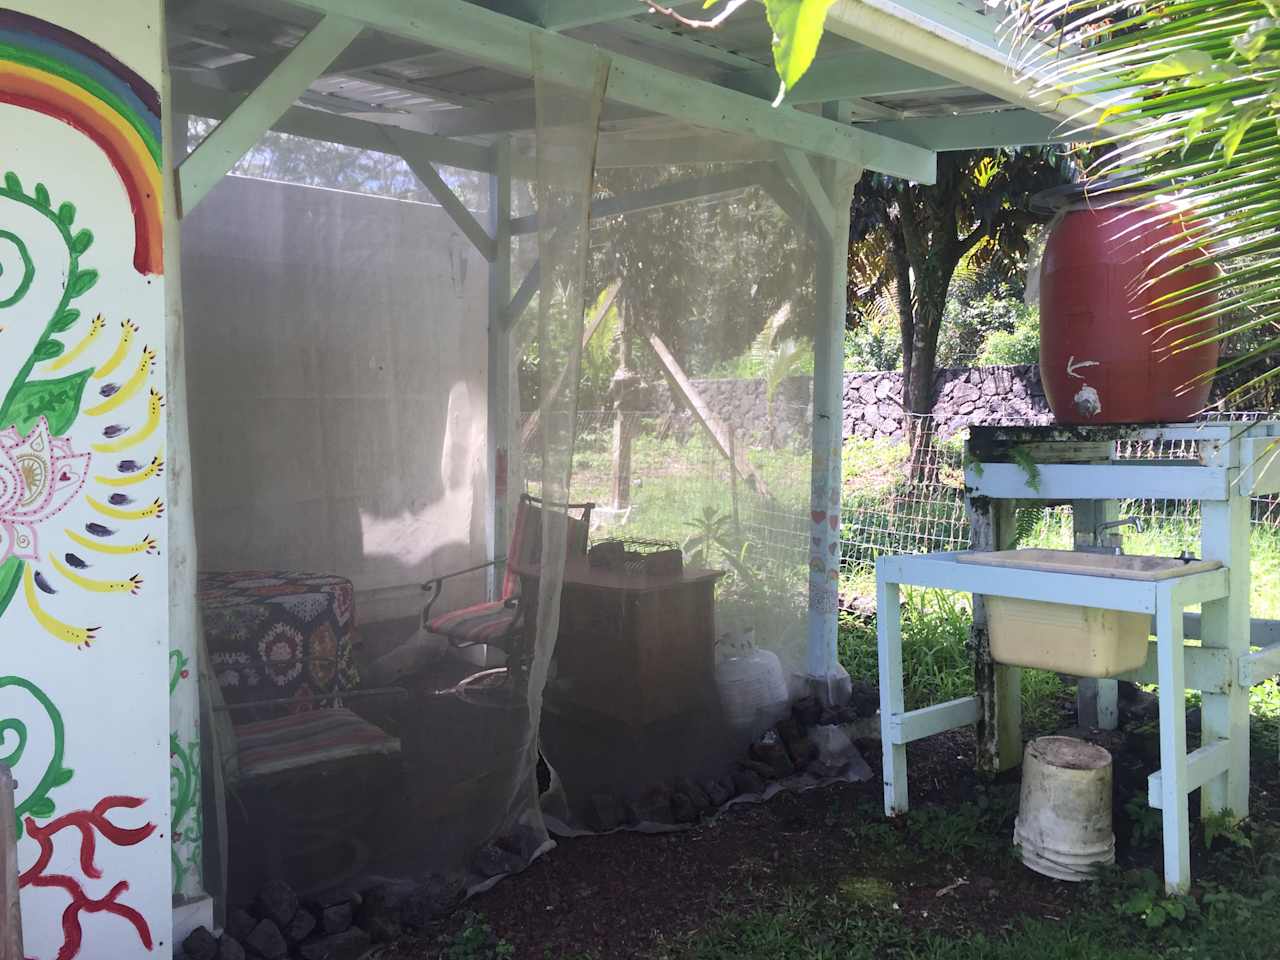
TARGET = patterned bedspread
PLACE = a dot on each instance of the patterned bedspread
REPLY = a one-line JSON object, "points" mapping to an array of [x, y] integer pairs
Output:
{"points": [[276, 634]]}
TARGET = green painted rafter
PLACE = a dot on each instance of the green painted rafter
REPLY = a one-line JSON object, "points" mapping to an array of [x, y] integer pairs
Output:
{"points": [[567, 14], [201, 101], [802, 175], [1007, 128], [234, 136], [862, 74], [420, 163], [503, 42]]}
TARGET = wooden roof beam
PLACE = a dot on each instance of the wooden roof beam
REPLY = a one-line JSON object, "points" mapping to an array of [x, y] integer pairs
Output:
{"points": [[200, 101], [503, 42]]}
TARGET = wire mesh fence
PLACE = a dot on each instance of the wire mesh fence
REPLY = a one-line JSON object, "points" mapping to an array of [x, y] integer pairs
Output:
{"points": [[887, 508]]}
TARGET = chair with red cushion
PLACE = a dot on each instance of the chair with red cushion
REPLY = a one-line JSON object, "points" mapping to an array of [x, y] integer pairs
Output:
{"points": [[500, 623]]}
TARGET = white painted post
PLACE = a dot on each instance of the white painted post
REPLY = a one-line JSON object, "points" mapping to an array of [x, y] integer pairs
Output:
{"points": [[892, 699], [1173, 741], [828, 679], [186, 827], [1097, 701], [1225, 624], [10, 907], [498, 447]]}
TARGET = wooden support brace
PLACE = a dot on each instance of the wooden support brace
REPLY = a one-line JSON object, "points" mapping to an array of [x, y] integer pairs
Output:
{"points": [[801, 173], [602, 311], [783, 194], [1203, 765], [524, 295], [1263, 665], [1209, 669], [403, 144], [925, 722], [1262, 633], [234, 136], [688, 394]]}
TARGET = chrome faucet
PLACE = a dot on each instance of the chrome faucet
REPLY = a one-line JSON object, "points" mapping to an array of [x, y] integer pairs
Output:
{"points": [[1135, 522]]}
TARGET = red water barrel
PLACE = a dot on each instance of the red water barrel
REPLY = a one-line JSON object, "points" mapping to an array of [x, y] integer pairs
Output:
{"points": [[1106, 355]]}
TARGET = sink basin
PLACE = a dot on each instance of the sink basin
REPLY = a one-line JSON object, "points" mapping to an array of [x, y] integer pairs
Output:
{"points": [[1068, 638], [1122, 567]]}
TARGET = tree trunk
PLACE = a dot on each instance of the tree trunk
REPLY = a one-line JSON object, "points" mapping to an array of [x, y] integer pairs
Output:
{"points": [[930, 300]]}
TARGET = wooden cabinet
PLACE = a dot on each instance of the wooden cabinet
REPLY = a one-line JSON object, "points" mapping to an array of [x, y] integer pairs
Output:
{"points": [[634, 649]]}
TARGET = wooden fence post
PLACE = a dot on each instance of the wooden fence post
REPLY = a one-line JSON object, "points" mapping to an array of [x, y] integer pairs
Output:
{"points": [[10, 908]]}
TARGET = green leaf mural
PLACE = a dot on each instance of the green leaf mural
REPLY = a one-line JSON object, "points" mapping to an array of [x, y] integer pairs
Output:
{"points": [[33, 800], [58, 400], [10, 577], [25, 400]]}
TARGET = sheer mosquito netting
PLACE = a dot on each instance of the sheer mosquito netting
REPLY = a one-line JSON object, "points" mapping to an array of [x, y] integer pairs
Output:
{"points": [[620, 413]]}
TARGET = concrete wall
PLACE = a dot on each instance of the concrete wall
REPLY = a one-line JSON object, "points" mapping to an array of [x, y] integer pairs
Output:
{"points": [[337, 364]]}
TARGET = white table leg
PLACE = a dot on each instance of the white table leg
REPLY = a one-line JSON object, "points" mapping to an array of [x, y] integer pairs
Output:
{"points": [[1173, 743], [1225, 623], [892, 700]]}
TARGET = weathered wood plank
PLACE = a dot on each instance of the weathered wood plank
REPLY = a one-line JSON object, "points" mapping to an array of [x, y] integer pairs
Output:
{"points": [[998, 687], [1112, 481], [10, 907]]}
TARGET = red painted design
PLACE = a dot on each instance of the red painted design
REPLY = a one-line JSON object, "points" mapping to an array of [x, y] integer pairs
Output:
{"points": [[89, 824]]}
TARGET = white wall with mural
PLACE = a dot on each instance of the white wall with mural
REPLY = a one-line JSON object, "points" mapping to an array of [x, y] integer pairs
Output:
{"points": [[84, 660]]}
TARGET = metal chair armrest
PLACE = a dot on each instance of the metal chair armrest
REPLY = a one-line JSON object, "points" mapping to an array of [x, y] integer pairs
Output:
{"points": [[435, 586]]}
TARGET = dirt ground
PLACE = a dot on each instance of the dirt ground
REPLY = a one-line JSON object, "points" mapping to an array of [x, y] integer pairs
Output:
{"points": [[948, 868], [631, 896]]}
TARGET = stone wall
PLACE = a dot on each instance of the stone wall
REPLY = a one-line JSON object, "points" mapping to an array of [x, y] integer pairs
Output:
{"points": [[964, 397], [872, 404], [744, 406]]}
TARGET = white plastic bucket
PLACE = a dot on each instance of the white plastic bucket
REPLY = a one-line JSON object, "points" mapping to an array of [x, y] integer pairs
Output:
{"points": [[1064, 814]]}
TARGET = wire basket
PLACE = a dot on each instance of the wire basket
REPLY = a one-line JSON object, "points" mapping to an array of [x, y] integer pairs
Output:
{"points": [[637, 556]]}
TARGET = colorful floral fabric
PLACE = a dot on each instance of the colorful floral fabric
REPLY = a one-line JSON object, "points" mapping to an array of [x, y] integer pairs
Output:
{"points": [[274, 635]]}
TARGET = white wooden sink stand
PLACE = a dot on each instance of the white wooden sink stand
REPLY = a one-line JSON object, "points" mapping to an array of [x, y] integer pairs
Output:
{"points": [[1235, 462]]}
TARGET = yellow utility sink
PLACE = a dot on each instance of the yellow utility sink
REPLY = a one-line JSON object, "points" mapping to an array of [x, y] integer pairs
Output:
{"points": [[1068, 638]]}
